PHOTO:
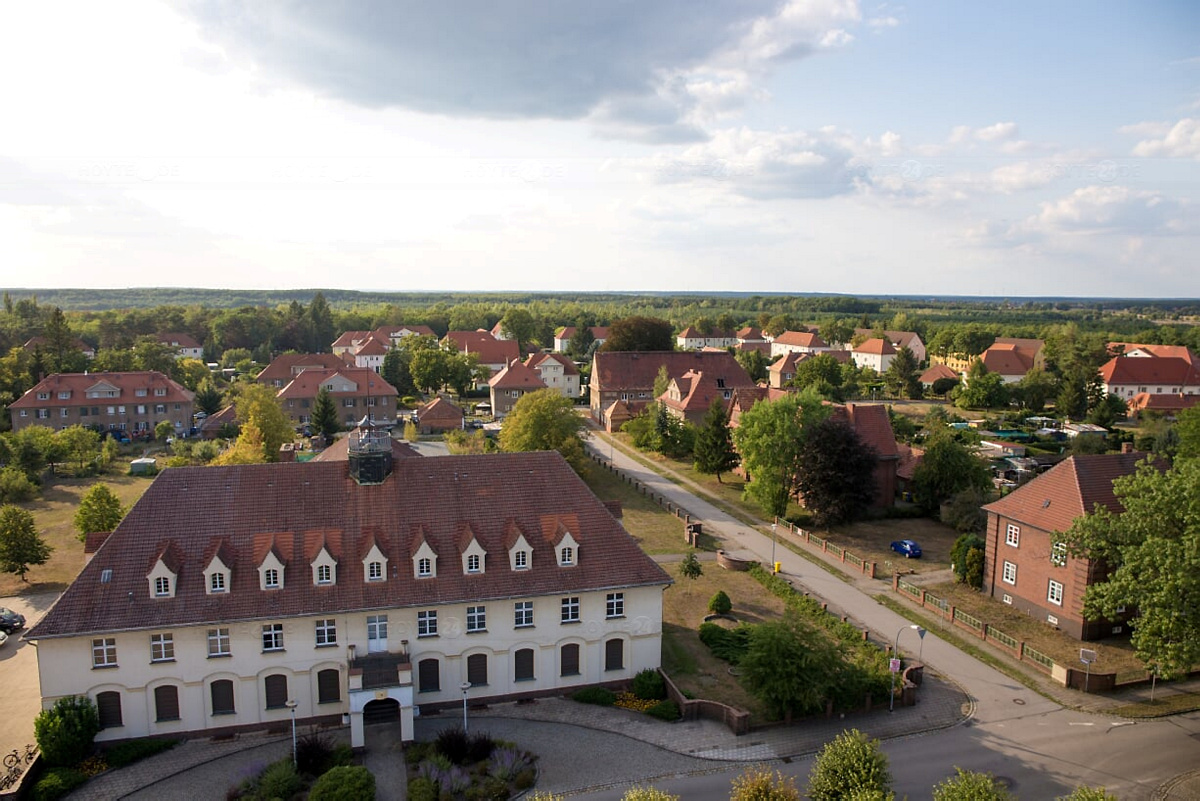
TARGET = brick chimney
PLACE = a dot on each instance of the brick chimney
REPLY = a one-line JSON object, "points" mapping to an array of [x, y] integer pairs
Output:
{"points": [[1126, 447]]}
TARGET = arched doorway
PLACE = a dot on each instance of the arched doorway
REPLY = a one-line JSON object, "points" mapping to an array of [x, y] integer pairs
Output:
{"points": [[381, 710]]}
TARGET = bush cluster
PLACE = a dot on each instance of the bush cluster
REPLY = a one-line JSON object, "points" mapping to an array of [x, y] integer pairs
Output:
{"points": [[344, 783], [664, 710], [470, 766], [649, 685], [728, 644], [131, 751], [595, 695]]}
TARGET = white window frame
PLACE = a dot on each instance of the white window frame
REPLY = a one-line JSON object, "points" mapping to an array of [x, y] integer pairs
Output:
{"points": [[566, 555], [424, 567], [474, 563], [162, 647], [326, 632], [272, 637], [1009, 573], [569, 608], [522, 614], [271, 578], [476, 618], [324, 574], [614, 605], [374, 571], [162, 587], [104, 652], [216, 581], [1054, 592], [427, 623], [1012, 535], [521, 560], [218, 642], [1058, 554]]}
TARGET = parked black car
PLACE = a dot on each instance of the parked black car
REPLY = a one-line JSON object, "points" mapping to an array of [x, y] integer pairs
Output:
{"points": [[10, 621]]}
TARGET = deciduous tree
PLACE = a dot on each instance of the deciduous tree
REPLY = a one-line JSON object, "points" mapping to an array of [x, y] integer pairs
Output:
{"points": [[970, 785], [545, 421], [1153, 549], [640, 334], [713, 452], [947, 467], [99, 510], [835, 473], [257, 404], [21, 547], [79, 444], [789, 666], [769, 437], [518, 324]]}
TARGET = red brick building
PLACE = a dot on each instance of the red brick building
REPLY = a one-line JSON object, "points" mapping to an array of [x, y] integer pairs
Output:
{"points": [[1026, 563]]}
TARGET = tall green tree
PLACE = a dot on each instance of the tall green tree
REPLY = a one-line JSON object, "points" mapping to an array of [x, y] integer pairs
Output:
{"points": [[208, 398], [1187, 431], [947, 467], [983, 390], [325, 415], [257, 405], [901, 378], [518, 324], [835, 473], [79, 444], [21, 547], [396, 371], [545, 421], [431, 368], [1037, 387], [580, 343], [1153, 551], [99, 510], [320, 327], [822, 373], [754, 362], [770, 437], [713, 452], [641, 334], [850, 763]]}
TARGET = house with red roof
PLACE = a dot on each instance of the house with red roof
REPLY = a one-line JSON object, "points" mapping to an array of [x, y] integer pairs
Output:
{"points": [[243, 598], [689, 396], [1166, 405], [1013, 357], [557, 372], [358, 392], [899, 339], [750, 335], [511, 384], [184, 345], [135, 402], [936, 373], [562, 339], [389, 335], [871, 423], [798, 342], [495, 354], [1026, 564], [40, 342], [286, 366], [876, 353], [629, 376], [438, 416], [1127, 376]]}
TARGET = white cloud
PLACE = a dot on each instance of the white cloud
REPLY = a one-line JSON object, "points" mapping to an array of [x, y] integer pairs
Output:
{"points": [[1180, 141]]}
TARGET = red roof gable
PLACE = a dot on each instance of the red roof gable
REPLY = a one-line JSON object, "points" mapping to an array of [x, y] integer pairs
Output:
{"points": [[802, 339], [876, 346], [286, 365], [126, 385], [308, 383], [1150, 370], [620, 370], [517, 376]]}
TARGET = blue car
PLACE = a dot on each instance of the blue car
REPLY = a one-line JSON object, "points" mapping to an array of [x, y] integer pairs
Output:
{"points": [[907, 547]]}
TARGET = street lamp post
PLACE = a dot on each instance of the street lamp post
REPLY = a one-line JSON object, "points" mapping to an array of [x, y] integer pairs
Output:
{"points": [[466, 685], [773, 548], [894, 667], [291, 704]]}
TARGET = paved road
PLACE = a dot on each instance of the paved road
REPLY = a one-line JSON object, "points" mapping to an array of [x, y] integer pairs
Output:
{"points": [[18, 666], [1041, 748]]}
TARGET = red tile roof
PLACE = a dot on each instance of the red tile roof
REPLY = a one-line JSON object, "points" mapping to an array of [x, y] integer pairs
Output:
{"points": [[936, 373], [1070, 489], [517, 376], [1006, 360], [1160, 371], [177, 339], [873, 426], [749, 332], [307, 383], [348, 338], [620, 370], [536, 360], [440, 409], [1145, 401], [876, 346], [802, 339], [339, 451], [285, 507], [287, 365], [373, 346], [125, 384], [489, 349]]}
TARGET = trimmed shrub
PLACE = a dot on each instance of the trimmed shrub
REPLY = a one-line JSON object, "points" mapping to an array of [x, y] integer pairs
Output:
{"points": [[595, 695], [524, 780], [56, 783], [279, 780], [728, 644], [346, 783], [720, 604], [422, 789], [65, 732], [649, 685], [757, 783], [131, 751], [664, 710]]}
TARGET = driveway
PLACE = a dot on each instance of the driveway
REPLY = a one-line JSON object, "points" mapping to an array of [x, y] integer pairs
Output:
{"points": [[18, 665]]}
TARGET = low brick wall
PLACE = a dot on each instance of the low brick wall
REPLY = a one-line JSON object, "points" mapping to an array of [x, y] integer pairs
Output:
{"points": [[736, 720], [730, 562]]}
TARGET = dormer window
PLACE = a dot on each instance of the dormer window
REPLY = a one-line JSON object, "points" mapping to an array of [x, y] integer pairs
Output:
{"points": [[271, 571], [473, 563], [521, 560], [324, 568], [216, 576], [424, 568], [374, 565], [162, 587], [216, 582], [162, 579], [375, 571], [425, 561], [566, 555]]}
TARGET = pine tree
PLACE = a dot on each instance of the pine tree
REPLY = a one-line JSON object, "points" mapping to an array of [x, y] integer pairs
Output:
{"points": [[713, 451], [325, 417]]}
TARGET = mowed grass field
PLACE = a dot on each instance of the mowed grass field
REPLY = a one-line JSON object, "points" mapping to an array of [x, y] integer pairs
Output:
{"points": [[53, 514]]}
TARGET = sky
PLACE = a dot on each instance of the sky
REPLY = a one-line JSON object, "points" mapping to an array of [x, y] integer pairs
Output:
{"points": [[949, 148]]}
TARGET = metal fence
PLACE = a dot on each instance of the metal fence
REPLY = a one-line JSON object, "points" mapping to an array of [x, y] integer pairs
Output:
{"points": [[998, 635], [968, 620], [910, 589], [933, 600], [1038, 658]]}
